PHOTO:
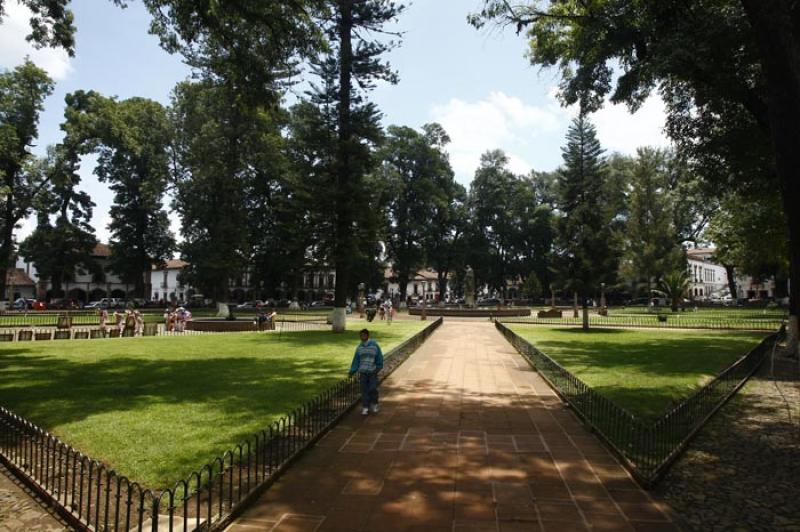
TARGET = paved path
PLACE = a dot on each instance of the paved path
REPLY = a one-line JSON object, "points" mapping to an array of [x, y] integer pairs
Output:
{"points": [[21, 511], [468, 438]]}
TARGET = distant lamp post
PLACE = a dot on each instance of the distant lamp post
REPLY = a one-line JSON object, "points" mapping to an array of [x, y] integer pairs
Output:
{"points": [[361, 288]]}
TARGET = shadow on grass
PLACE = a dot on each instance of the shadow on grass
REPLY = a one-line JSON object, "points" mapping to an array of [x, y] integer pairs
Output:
{"points": [[214, 402], [205, 395]]}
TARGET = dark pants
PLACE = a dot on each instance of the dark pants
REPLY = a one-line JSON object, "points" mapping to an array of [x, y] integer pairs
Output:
{"points": [[369, 388]]}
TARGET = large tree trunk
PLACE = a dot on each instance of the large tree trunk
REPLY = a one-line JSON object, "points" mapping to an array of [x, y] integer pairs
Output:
{"points": [[585, 314], [402, 283], [441, 282], [343, 171], [7, 245], [778, 35]]}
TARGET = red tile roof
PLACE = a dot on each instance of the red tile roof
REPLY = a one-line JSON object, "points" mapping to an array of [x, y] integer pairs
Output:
{"points": [[18, 277]]}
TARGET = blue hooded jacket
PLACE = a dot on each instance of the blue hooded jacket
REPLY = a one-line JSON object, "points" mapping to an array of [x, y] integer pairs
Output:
{"points": [[368, 358]]}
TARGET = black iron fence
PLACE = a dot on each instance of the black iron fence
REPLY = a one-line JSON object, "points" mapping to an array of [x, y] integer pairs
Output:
{"points": [[46, 318], [667, 320], [302, 321], [646, 448], [92, 497]]}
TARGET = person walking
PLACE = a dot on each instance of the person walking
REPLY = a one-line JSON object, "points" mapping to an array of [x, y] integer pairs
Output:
{"points": [[367, 362]]}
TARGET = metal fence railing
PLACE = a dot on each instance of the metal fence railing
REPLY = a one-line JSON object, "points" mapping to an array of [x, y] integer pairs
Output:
{"points": [[647, 449], [666, 321], [92, 497]]}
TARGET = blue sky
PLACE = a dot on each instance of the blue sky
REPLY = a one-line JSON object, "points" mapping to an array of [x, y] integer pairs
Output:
{"points": [[478, 85]]}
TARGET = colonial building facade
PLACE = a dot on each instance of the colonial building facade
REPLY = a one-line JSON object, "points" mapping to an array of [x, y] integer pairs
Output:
{"points": [[84, 286]]}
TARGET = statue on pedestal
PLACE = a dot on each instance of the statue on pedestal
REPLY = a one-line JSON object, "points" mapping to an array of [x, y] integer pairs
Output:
{"points": [[469, 288]]}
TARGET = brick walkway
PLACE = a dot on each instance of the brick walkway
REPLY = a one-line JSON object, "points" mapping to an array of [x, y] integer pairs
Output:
{"points": [[468, 438], [20, 510]]}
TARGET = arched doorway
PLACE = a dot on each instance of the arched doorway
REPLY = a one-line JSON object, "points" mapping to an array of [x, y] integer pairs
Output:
{"points": [[78, 295], [97, 294]]}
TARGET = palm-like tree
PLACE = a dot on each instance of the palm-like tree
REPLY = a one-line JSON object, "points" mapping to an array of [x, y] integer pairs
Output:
{"points": [[674, 286]]}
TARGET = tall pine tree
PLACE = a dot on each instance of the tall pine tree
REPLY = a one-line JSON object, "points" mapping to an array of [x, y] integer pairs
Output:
{"points": [[585, 245], [350, 69]]}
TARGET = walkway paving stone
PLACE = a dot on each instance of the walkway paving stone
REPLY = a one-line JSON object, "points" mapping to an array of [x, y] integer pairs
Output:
{"points": [[469, 438], [21, 510]]}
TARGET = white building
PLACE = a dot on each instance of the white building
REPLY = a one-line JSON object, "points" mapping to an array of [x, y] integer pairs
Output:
{"points": [[84, 286], [423, 285], [19, 284], [166, 284], [708, 280]]}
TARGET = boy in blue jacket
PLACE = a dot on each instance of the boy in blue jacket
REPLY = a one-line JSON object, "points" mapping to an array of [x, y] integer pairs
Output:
{"points": [[367, 362]]}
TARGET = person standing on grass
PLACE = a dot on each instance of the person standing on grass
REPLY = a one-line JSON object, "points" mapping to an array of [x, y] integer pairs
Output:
{"points": [[103, 321], [367, 362]]}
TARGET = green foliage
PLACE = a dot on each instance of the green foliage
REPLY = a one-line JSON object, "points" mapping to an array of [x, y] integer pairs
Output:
{"points": [[532, 288], [132, 139], [653, 245], [419, 188], [58, 249], [511, 233], [674, 286], [347, 70], [218, 152], [750, 234], [22, 94], [51, 23], [726, 69], [586, 253]]}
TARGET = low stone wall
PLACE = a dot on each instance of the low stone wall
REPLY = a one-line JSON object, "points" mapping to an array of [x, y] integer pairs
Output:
{"points": [[472, 313], [221, 325]]}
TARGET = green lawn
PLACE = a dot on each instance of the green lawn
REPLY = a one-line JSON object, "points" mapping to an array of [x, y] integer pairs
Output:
{"points": [[644, 372], [157, 408], [704, 318]]}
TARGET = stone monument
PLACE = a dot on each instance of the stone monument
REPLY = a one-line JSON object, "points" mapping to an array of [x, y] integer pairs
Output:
{"points": [[469, 288]]}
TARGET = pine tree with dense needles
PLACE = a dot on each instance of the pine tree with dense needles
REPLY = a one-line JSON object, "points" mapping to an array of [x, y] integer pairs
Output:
{"points": [[585, 252], [348, 71]]}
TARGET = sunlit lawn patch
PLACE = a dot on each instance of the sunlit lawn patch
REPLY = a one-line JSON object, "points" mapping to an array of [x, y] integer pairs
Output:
{"points": [[644, 371], [157, 408]]}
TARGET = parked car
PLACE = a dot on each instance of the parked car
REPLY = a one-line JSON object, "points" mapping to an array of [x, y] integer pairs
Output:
{"points": [[489, 302], [23, 304], [320, 303], [64, 304], [107, 303], [251, 304]]}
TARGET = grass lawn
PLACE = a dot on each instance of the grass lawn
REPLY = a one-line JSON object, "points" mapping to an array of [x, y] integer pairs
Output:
{"points": [[644, 372], [717, 318], [157, 408]]}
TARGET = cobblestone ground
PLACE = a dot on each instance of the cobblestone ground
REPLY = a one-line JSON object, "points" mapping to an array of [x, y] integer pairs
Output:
{"points": [[20, 511], [743, 470]]}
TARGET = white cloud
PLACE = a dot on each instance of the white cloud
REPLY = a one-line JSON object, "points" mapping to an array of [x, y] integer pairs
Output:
{"points": [[532, 134], [499, 121], [619, 130], [14, 48]]}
